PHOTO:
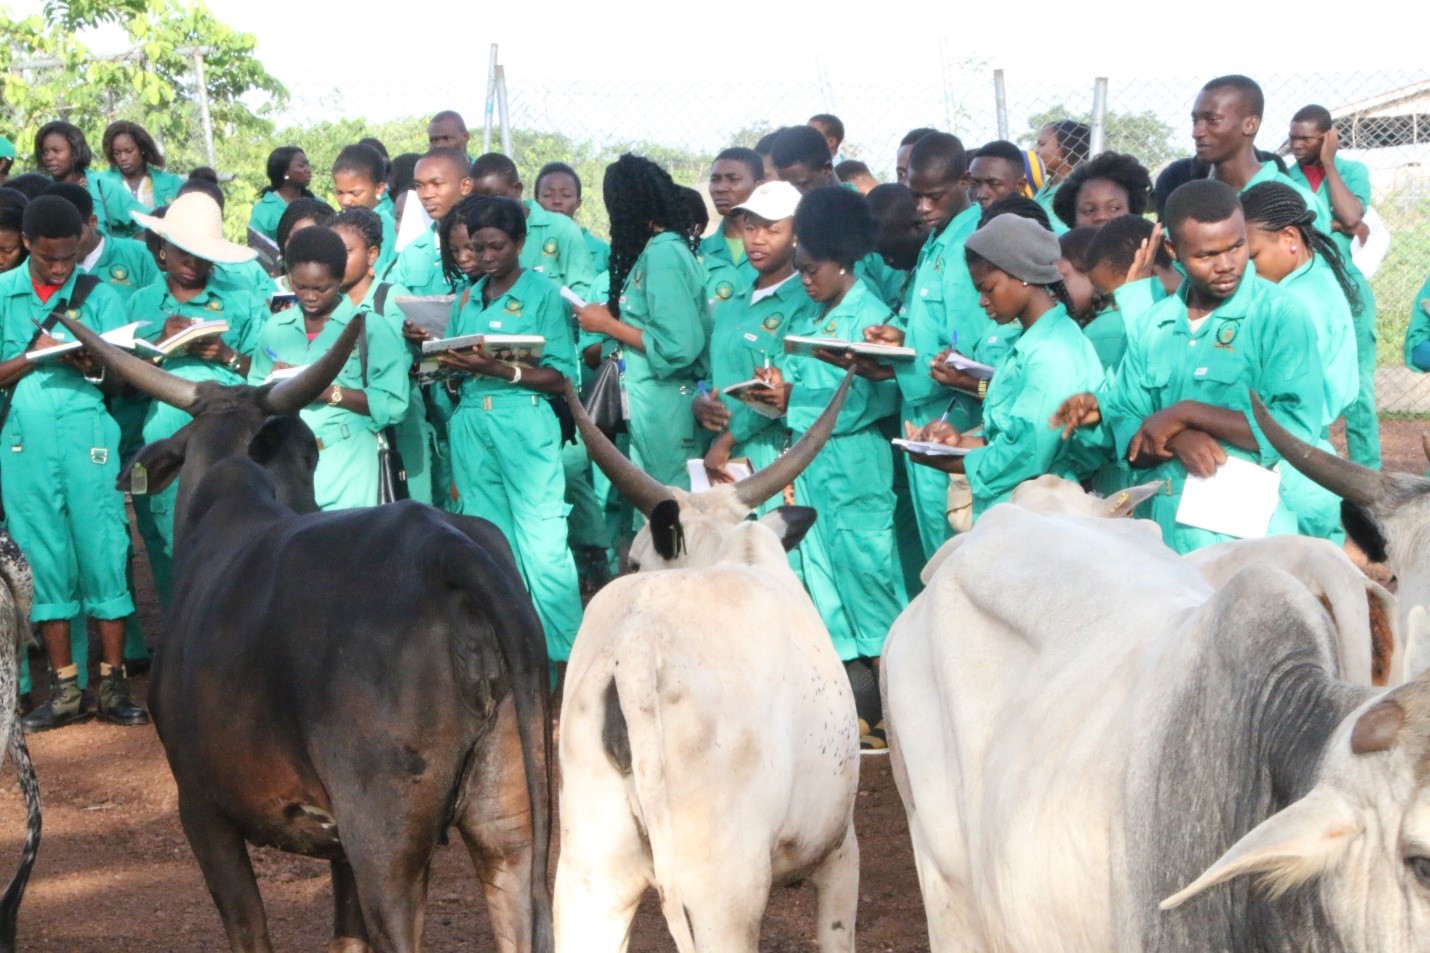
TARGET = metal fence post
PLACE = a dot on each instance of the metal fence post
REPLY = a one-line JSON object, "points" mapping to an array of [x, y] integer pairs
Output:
{"points": [[1098, 145], [491, 101], [1000, 98], [502, 112], [204, 116]]}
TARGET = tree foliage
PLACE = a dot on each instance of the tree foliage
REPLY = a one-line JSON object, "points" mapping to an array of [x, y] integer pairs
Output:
{"points": [[47, 72], [1140, 134]]}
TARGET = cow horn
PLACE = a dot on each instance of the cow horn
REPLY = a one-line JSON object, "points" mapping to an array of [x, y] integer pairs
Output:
{"points": [[141, 375], [639, 488], [289, 396], [761, 485], [1348, 480]]}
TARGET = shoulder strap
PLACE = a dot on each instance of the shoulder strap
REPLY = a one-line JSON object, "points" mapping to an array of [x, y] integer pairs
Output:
{"points": [[379, 297], [83, 285], [362, 347]]}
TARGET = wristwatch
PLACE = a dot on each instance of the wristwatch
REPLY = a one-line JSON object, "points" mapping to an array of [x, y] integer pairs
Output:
{"points": [[982, 389], [336, 397]]}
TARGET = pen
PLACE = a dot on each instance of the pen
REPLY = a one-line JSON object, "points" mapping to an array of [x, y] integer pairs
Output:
{"points": [[944, 419], [955, 341], [271, 353], [703, 388]]}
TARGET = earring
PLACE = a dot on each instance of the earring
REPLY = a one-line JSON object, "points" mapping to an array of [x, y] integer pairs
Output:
{"points": [[1025, 284], [841, 271], [1294, 248]]}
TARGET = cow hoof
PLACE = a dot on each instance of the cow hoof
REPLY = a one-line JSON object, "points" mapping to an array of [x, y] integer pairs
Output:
{"points": [[347, 944]]}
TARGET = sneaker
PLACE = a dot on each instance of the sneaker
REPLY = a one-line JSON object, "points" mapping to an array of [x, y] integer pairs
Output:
{"points": [[872, 740], [115, 705], [65, 707]]}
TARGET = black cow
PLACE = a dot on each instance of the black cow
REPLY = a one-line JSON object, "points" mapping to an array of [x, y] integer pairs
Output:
{"points": [[340, 685]]}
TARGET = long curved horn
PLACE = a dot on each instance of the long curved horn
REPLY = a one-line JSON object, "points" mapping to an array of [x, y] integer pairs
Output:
{"points": [[154, 381], [761, 485], [292, 395], [643, 491], [1348, 480]]}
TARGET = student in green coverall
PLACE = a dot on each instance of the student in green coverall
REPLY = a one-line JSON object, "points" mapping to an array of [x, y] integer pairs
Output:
{"points": [[1344, 185], [192, 235], [241, 276], [62, 153], [1286, 249], [1062, 146], [506, 440], [850, 567], [656, 312], [441, 179], [558, 190], [1128, 265], [289, 175], [749, 333], [359, 181], [734, 176], [58, 476], [357, 406], [362, 233], [137, 166], [1180, 403], [1013, 262], [942, 314]]}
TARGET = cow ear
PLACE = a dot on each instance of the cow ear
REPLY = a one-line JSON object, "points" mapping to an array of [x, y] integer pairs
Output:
{"points": [[160, 463], [1287, 849], [1364, 531], [790, 523], [1125, 503]]}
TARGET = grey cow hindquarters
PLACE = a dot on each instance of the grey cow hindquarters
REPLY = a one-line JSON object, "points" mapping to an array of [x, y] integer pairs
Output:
{"points": [[342, 685]]}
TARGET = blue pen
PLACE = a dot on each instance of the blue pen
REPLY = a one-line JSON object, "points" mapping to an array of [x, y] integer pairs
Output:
{"points": [[271, 353], [955, 340]]}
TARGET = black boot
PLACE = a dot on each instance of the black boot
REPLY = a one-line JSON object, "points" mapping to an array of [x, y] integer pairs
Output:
{"points": [[114, 703], [865, 685], [65, 707]]}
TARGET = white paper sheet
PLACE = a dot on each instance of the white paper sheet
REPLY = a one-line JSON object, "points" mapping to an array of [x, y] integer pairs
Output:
{"points": [[929, 449], [415, 221], [1238, 500], [1369, 254], [700, 480]]}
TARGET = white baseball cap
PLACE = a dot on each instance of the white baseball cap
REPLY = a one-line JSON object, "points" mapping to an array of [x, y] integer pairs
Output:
{"points": [[771, 201]]}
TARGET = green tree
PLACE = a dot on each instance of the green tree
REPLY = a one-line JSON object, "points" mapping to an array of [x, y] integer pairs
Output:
{"points": [[47, 73], [1140, 134]]}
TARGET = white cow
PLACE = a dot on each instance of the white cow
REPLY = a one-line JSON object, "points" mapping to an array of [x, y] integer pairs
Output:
{"points": [[1387, 515], [709, 743], [1080, 724]]}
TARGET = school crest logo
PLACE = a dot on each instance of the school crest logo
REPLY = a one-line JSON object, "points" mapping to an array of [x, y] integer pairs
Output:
{"points": [[513, 306], [550, 247], [120, 274], [832, 327], [772, 323], [724, 291], [214, 305], [1225, 335]]}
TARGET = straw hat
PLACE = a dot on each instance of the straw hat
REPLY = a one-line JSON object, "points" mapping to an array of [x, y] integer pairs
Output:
{"points": [[194, 223]]}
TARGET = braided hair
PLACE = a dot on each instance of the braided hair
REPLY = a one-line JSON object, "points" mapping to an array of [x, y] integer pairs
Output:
{"points": [[640, 194], [362, 222], [1273, 206], [456, 214], [320, 212]]}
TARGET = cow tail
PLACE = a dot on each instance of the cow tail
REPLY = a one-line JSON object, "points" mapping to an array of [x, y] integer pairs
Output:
{"points": [[637, 684], [30, 788], [501, 597]]}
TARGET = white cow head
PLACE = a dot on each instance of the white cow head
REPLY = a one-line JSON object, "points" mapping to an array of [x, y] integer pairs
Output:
{"points": [[1054, 496], [1386, 514], [686, 529], [1362, 834]]}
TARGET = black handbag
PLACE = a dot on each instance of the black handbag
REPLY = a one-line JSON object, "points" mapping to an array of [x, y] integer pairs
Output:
{"points": [[391, 473], [605, 398]]}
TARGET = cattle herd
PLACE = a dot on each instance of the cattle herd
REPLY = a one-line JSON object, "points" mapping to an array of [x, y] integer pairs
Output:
{"points": [[1100, 745]]}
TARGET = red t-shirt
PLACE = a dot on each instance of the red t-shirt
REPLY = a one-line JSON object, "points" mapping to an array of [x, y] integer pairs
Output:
{"points": [[46, 292], [1315, 175]]}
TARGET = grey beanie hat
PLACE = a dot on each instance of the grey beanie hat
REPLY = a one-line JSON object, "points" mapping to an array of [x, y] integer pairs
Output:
{"points": [[1019, 246]]}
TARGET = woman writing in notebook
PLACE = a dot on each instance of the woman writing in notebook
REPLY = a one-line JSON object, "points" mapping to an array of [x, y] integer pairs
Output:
{"points": [[1013, 263], [505, 438]]}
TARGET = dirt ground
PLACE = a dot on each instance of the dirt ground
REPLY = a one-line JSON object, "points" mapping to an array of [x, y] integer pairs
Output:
{"points": [[115, 874]]}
